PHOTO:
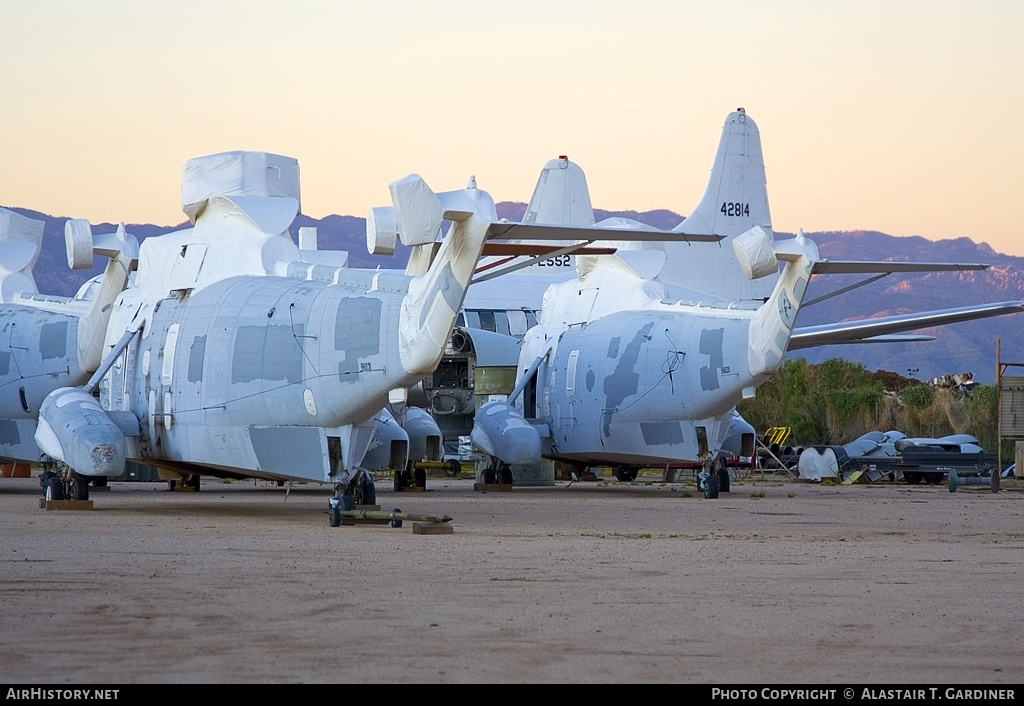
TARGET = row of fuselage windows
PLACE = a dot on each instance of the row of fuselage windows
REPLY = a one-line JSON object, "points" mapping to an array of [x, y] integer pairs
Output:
{"points": [[511, 323]]}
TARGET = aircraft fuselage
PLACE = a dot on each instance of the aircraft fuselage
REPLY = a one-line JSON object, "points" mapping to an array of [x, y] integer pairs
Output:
{"points": [[634, 386]]}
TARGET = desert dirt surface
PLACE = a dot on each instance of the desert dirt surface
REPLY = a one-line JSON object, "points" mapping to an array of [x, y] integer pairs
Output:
{"points": [[778, 581]]}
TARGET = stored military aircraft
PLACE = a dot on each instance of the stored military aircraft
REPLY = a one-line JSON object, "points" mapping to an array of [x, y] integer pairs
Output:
{"points": [[635, 363], [230, 351], [49, 342]]}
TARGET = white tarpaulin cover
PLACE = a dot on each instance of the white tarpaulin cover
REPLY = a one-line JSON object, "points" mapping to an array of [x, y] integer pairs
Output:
{"points": [[237, 174], [22, 239], [816, 464]]}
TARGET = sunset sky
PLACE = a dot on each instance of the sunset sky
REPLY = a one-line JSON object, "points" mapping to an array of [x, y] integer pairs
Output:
{"points": [[891, 116]]}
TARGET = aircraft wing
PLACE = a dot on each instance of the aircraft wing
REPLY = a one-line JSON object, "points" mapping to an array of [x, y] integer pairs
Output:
{"points": [[879, 330], [843, 267]]}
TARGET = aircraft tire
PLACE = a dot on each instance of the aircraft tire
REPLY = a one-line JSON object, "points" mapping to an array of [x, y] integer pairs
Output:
{"points": [[193, 482], [505, 474], [399, 480], [711, 487], [335, 513], [487, 476], [420, 476], [626, 475], [54, 489], [453, 469], [397, 524], [723, 479], [369, 492], [79, 487]]}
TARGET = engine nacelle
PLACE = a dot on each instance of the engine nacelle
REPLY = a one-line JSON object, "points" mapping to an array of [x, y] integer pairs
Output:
{"points": [[73, 428]]}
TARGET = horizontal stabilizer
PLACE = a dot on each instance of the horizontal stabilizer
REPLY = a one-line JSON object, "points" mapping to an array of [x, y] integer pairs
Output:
{"points": [[841, 267], [532, 231], [860, 331]]}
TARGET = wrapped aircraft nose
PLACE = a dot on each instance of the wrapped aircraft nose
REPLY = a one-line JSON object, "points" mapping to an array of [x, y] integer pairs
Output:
{"points": [[500, 430], [73, 428]]}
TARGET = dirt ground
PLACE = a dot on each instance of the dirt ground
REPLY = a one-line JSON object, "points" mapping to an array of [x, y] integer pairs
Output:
{"points": [[774, 582]]}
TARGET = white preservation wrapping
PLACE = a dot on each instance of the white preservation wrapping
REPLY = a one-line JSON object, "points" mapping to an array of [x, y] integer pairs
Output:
{"points": [[418, 211], [21, 239], [755, 254], [237, 174]]}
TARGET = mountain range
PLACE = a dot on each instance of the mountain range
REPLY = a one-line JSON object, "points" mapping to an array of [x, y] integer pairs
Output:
{"points": [[958, 348]]}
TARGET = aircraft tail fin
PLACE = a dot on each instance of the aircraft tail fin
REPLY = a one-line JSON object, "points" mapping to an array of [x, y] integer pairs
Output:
{"points": [[435, 298], [772, 326], [122, 249], [561, 196], [735, 200]]}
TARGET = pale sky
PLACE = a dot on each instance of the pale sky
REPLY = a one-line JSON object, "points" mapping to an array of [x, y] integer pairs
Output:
{"points": [[891, 116]]}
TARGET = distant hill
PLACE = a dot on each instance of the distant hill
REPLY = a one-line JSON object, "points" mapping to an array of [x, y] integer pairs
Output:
{"points": [[966, 347]]}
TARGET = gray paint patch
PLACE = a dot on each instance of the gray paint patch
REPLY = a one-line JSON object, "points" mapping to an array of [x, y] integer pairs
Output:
{"points": [[613, 347], [5, 362], [9, 435], [53, 339], [357, 332], [266, 353], [196, 357], [282, 356], [711, 346], [450, 290], [591, 379], [661, 433], [287, 449], [624, 379]]}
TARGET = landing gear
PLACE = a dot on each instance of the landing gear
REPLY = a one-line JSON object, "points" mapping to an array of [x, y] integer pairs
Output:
{"points": [[722, 471], [337, 503], [626, 475], [497, 473], [708, 481], [79, 487], [411, 477], [362, 489], [53, 489], [64, 483]]}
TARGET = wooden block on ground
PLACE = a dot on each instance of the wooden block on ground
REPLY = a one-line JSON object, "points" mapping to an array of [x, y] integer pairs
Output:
{"points": [[432, 528], [411, 489], [493, 487], [67, 504]]}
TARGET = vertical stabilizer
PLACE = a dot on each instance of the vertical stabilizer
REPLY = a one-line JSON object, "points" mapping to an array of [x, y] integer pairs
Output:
{"points": [[122, 249], [735, 200], [561, 196], [772, 326], [434, 299]]}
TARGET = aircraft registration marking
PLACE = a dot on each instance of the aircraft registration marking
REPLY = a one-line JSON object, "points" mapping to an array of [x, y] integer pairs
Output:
{"points": [[735, 209]]}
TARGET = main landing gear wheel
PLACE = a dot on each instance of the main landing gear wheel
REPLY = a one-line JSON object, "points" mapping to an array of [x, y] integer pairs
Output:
{"points": [[53, 489], [79, 487], [711, 487], [338, 503], [723, 475], [626, 475], [505, 474], [363, 491]]}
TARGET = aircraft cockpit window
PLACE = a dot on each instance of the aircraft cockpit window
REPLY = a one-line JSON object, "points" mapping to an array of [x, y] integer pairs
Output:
{"points": [[487, 321], [517, 325], [501, 322]]}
